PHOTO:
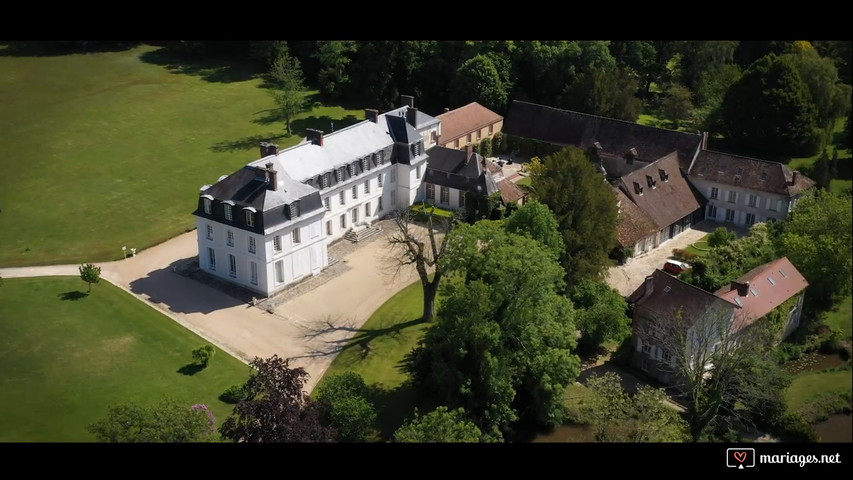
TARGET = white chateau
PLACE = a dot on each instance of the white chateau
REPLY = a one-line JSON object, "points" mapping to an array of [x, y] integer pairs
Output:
{"points": [[268, 224]]}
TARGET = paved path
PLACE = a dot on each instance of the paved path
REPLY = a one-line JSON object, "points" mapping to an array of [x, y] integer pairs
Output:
{"points": [[626, 278], [310, 328]]}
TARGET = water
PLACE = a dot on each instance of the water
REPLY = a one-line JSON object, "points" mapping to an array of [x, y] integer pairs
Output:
{"points": [[813, 362], [837, 428]]}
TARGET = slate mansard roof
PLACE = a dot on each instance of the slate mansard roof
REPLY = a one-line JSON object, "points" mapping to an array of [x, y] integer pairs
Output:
{"points": [[616, 139], [453, 168], [751, 173]]}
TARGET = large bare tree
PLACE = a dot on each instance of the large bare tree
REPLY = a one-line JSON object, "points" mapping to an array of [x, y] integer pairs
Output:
{"points": [[422, 247], [717, 358]]}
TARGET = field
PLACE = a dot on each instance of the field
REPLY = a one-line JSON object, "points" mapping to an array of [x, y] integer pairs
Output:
{"points": [[109, 149], [65, 357]]}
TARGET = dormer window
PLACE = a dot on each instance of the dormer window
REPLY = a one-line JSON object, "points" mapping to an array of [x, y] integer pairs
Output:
{"points": [[702, 171], [325, 180], [340, 174], [651, 181], [250, 218], [638, 189], [229, 215], [763, 176], [723, 168], [381, 157], [739, 173], [208, 206], [365, 164], [351, 168], [294, 209], [663, 175]]}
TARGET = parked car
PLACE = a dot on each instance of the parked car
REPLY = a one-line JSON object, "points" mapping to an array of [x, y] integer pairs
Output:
{"points": [[675, 267]]}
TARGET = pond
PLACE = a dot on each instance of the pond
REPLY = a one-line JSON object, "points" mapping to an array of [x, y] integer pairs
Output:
{"points": [[813, 362], [837, 428]]}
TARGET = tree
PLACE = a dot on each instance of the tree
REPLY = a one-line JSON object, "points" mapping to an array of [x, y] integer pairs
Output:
{"points": [[276, 408], [477, 80], [710, 91], [600, 314], [768, 111], [90, 274], [700, 57], [535, 220], [822, 171], [617, 416], [501, 346], [334, 57], [709, 350], [410, 248], [817, 239], [608, 93], [288, 86], [585, 207], [167, 422], [677, 104], [830, 97], [642, 58], [203, 354], [440, 426], [344, 406]]}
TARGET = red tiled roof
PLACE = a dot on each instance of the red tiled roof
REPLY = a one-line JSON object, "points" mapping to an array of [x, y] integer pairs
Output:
{"points": [[464, 120], [510, 192], [786, 282]]}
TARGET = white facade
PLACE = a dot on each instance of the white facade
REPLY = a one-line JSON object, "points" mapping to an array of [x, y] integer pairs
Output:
{"points": [[741, 206], [444, 197]]}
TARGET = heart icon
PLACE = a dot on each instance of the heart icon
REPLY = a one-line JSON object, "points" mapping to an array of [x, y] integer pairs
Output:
{"points": [[740, 456]]}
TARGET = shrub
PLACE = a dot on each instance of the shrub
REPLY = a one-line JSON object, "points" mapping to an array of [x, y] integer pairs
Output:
{"points": [[794, 428], [234, 394], [498, 144], [720, 236], [344, 406], [681, 254], [203, 354], [486, 147]]}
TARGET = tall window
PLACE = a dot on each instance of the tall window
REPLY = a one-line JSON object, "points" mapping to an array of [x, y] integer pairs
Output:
{"points": [[232, 265], [342, 198], [343, 221], [327, 204], [714, 193], [418, 172], [328, 227], [379, 207], [294, 209], [381, 157], [276, 243], [250, 218], [752, 200], [730, 215], [228, 214], [354, 216], [253, 273], [211, 259], [252, 245], [712, 211], [392, 176], [210, 232], [366, 209], [279, 271], [393, 200], [732, 196], [750, 218], [230, 238], [445, 195], [379, 180], [354, 191], [430, 194], [461, 198], [295, 235], [367, 186], [207, 206]]}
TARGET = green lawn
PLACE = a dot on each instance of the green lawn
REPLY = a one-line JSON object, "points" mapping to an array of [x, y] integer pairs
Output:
{"points": [[843, 180], [526, 181], [703, 243], [107, 149], [64, 360], [391, 333], [807, 385], [422, 209], [841, 317]]}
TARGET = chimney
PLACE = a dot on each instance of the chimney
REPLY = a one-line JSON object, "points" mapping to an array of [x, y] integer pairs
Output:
{"points": [[446, 109], [371, 114], [271, 177], [407, 101], [742, 288], [315, 136], [412, 116], [268, 148]]}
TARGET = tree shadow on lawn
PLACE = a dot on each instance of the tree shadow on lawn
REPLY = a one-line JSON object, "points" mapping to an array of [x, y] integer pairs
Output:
{"points": [[209, 67], [325, 123], [61, 48], [73, 295], [190, 369], [245, 143], [361, 340], [394, 406]]}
